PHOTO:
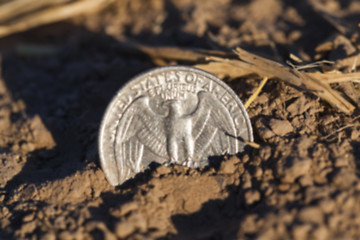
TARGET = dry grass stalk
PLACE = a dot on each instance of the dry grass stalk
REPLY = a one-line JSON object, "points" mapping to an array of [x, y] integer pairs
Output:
{"points": [[13, 9], [252, 144], [338, 130], [256, 93], [223, 69], [50, 15], [337, 77], [173, 53], [271, 69], [218, 63]]}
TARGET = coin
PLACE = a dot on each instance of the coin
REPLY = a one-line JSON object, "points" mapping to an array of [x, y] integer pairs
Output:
{"points": [[170, 115]]}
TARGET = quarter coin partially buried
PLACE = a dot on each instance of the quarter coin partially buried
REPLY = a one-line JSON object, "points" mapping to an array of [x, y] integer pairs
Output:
{"points": [[170, 115]]}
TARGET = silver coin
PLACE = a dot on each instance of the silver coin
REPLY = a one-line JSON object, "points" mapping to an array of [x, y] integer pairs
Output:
{"points": [[170, 115]]}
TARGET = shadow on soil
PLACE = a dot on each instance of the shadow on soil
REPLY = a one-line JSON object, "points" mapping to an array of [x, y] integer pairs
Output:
{"points": [[70, 91]]}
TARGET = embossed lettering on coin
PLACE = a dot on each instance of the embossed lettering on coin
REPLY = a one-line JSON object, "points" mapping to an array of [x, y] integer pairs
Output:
{"points": [[175, 114]]}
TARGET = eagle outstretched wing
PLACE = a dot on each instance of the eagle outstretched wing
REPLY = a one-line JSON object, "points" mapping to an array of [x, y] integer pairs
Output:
{"points": [[213, 127], [139, 128]]}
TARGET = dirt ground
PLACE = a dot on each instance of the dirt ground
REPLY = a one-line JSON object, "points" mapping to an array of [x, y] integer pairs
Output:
{"points": [[303, 182]]}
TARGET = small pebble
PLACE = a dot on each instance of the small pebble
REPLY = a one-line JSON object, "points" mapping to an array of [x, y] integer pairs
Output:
{"points": [[258, 172], [321, 233], [311, 215], [281, 127], [252, 196], [327, 205], [293, 168], [123, 229], [301, 232]]}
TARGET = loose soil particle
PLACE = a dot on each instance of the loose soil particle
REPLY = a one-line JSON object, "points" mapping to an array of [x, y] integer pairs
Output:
{"points": [[280, 127]]}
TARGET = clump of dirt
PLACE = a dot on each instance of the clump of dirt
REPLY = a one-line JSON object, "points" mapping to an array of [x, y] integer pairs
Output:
{"points": [[302, 183]]}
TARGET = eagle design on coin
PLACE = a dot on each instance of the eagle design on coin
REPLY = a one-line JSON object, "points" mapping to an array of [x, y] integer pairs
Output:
{"points": [[170, 115]]}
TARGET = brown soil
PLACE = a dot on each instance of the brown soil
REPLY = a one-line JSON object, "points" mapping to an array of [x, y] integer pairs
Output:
{"points": [[303, 182]]}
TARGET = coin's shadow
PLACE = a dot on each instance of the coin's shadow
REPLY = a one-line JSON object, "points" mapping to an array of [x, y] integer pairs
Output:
{"points": [[140, 178], [69, 91], [146, 175]]}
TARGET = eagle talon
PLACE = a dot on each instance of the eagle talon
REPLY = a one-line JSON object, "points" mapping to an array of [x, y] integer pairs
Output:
{"points": [[195, 164], [191, 163], [186, 163]]}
